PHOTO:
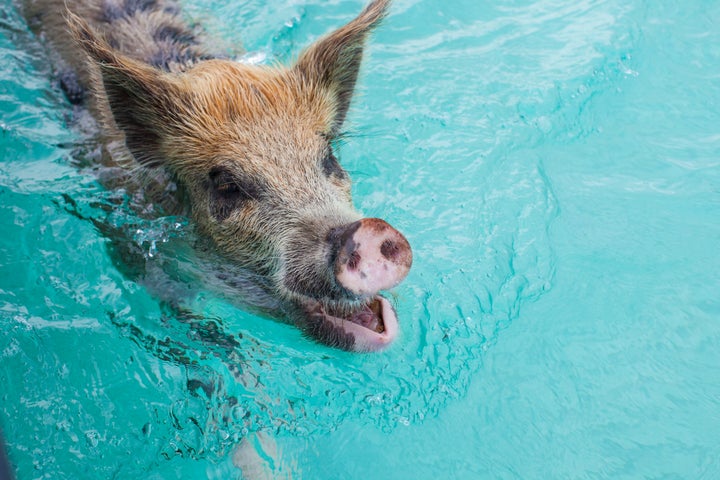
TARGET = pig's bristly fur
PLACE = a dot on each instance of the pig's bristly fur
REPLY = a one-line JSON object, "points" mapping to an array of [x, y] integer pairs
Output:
{"points": [[250, 147]]}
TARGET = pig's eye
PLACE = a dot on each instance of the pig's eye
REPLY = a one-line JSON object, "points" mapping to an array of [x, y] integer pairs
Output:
{"points": [[229, 193], [331, 167], [228, 190], [225, 185]]}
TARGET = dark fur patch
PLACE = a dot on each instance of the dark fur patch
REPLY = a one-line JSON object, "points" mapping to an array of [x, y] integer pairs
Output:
{"points": [[116, 9], [342, 238], [112, 11], [174, 34], [72, 87], [164, 58], [172, 44], [133, 6], [331, 166], [319, 328]]}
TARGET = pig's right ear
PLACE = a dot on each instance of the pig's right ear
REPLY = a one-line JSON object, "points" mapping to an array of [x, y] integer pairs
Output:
{"points": [[142, 99], [333, 62]]}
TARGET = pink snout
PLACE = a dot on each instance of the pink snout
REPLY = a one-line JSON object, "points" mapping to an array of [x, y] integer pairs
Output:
{"points": [[371, 256]]}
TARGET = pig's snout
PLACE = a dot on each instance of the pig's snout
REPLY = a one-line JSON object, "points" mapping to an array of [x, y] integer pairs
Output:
{"points": [[370, 256]]}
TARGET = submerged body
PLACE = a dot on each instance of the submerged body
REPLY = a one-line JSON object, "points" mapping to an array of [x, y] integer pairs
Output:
{"points": [[250, 149]]}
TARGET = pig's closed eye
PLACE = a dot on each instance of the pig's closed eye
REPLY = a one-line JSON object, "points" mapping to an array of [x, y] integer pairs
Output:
{"points": [[229, 190], [228, 193], [228, 186], [331, 167]]}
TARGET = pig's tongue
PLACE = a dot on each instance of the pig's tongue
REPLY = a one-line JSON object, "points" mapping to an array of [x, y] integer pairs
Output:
{"points": [[374, 325], [370, 317]]}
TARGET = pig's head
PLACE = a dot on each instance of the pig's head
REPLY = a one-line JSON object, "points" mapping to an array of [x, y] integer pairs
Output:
{"points": [[253, 147]]}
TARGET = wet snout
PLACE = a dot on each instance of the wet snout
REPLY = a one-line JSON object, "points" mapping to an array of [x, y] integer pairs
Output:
{"points": [[370, 256]]}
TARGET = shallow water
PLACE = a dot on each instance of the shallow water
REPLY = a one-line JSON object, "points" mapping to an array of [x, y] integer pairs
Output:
{"points": [[555, 166]]}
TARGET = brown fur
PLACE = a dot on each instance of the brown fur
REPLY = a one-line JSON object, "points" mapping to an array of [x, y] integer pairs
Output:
{"points": [[250, 145]]}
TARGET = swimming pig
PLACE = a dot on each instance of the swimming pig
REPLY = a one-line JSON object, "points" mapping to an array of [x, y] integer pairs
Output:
{"points": [[250, 149]]}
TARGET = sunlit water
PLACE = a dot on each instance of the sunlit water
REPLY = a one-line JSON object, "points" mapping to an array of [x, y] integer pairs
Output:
{"points": [[556, 167]]}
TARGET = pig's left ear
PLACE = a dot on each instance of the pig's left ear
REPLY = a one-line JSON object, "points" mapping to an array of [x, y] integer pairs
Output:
{"points": [[333, 62]]}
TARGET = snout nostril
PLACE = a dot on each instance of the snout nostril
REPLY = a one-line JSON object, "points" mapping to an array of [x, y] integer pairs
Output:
{"points": [[389, 249]]}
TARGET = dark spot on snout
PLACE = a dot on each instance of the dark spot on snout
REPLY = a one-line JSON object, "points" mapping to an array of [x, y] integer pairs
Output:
{"points": [[389, 249]]}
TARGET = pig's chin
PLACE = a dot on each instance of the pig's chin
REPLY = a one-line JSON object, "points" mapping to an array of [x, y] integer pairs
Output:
{"points": [[365, 327]]}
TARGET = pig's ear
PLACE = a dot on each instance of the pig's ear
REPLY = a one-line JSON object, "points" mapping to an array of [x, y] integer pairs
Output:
{"points": [[142, 98], [333, 62]]}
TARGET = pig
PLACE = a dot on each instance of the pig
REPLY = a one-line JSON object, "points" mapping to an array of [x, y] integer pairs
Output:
{"points": [[246, 151]]}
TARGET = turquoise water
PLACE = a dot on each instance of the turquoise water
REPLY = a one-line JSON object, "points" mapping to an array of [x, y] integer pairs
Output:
{"points": [[556, 166]]}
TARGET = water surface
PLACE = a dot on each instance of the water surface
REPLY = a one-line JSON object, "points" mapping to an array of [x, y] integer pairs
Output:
{"points": [[555, 166]]}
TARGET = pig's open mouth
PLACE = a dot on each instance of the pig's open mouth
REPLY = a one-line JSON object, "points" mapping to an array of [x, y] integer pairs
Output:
{"points": [[369, 326], [338, 298]]}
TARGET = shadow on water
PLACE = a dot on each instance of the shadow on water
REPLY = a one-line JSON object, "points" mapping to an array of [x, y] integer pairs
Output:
{"points": [[5, 469]]}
